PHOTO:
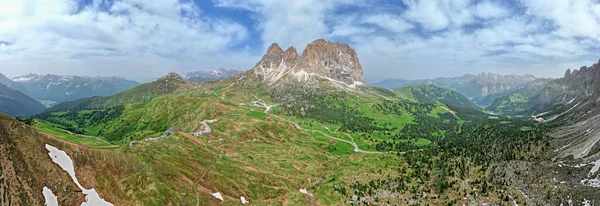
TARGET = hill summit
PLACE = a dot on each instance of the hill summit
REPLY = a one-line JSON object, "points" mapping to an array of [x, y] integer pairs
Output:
{"points": [[321, 59], [172, 76]]}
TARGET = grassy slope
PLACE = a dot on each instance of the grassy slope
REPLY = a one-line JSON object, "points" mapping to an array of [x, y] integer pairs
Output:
{"points": [[265, 160], [520, 100], [15, 103], [143, 93], [261, 157]]}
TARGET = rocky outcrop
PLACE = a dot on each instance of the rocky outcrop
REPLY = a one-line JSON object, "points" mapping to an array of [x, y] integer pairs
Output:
{"points": [[321, 59], [577, 84], [571, 105]]}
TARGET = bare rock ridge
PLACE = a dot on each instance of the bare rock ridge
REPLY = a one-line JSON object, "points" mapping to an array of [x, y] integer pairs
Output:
{"points": [[577, 84], [321, 59], [572, 102]]}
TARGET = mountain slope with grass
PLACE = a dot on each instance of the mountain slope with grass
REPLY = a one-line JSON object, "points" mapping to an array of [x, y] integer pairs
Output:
{"points": [[170, 83], [520, 100], [17, 104], [26, 168], [432, 95], [316, 141]]}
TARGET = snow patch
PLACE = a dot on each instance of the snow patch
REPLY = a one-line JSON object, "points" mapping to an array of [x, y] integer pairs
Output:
{"points": [[244, 201], [220, 139], [304, 191], [591, 182], [595, 168], [586, 202], [92, 198], [51, 199], [218, 195], [63, 160], [23, 78]]}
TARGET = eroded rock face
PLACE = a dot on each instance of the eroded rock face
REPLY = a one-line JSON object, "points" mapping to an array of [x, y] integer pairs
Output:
{"points": [[580, 84], [573, 100], [321, 59]]}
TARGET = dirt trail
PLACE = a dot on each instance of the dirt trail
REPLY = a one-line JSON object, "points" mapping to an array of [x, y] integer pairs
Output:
{"points": [[356, 148], [81, 135]]}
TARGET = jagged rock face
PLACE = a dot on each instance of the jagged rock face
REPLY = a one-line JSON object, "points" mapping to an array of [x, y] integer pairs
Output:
{"points": [[321, 59], [581, 84], [573, 105], [586, 79], [335, 60]]}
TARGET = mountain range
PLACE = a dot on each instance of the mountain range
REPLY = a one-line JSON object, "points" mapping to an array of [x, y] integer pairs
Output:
{"points": [[472, 86], [307, 130], [210, 75], [52, 89]]}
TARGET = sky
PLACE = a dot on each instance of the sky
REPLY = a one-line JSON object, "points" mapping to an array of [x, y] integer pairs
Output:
{"points": [[410, 39]]}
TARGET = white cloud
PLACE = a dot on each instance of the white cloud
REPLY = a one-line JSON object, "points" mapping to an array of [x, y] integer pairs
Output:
{"points": [[453, 36], [488, 10], [345, 26], [439, 15], [153, 32], [409, 38], [389, 22], [293, 23], [574, 18]]}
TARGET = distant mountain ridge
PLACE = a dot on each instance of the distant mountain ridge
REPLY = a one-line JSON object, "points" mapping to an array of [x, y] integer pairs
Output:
{"points": [[210, 75], [470, 85], [57, 88], [167, 84], [17, 104], [516, 101], [12, 84]]}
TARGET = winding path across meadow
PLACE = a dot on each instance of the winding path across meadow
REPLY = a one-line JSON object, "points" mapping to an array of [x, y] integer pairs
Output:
{"points": [[356, 148]]}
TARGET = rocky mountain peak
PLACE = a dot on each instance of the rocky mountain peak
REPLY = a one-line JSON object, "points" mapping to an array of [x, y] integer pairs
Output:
{"points": [[567, 73], [274, 50], [335, 60], [576, 84], [290, 53], [321, 59]]}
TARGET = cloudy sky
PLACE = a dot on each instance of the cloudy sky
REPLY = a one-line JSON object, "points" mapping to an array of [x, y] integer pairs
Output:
{"points": [[410, 39]]}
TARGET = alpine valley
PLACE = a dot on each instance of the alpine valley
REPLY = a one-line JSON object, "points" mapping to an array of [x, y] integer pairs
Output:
{"points": [[302, 130]]}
